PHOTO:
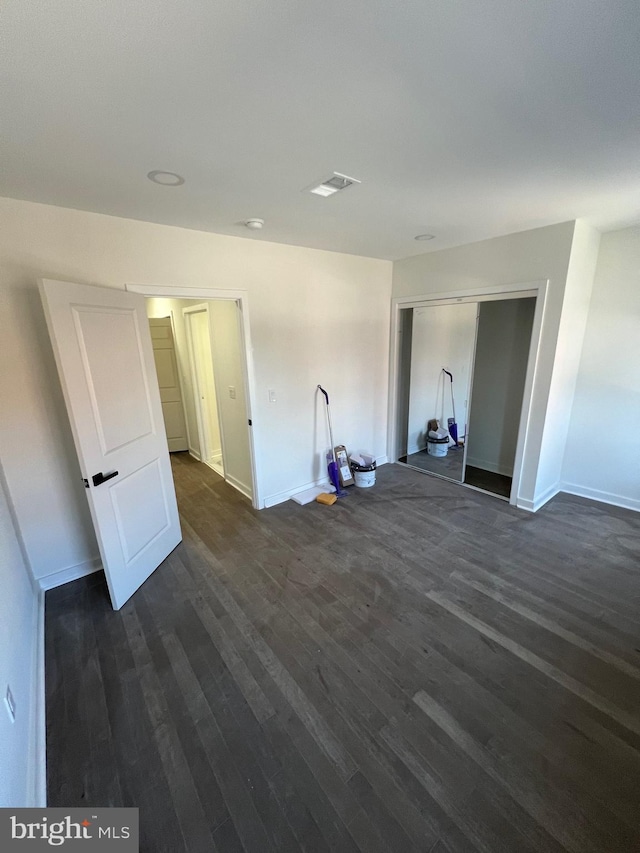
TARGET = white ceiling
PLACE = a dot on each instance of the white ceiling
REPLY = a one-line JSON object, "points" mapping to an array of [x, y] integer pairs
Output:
{"points": [[462, 118]]}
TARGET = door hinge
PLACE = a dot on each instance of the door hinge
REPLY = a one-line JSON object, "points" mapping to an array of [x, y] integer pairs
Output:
{"points": [[86, 482], [250, 422]]}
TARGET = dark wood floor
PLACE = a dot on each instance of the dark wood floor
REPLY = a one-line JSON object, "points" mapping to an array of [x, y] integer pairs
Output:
{"points": [[451, 466], [420, 667], [446, 466], [489, 481]]}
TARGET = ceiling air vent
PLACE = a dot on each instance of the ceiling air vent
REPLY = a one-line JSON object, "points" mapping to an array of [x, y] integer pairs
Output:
{"points": [[332, 184]]}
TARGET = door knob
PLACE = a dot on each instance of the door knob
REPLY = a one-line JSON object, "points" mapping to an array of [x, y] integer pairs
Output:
{"points": [[99, 479]]}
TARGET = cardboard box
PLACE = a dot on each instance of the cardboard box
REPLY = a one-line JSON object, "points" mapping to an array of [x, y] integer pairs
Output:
{"points": [[344, 469]]}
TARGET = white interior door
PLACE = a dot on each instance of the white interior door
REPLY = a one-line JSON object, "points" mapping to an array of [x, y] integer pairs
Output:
{"points": [[227, 347], [199, 341], [164, 355], [103, 351]]}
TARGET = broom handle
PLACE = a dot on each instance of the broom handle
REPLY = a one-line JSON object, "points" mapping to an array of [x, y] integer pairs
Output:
{"points": [[326, 397], [453, 405]]}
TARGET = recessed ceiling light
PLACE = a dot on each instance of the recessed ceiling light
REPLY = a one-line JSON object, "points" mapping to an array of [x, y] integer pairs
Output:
{"points": [[255, 224], [424, 237], [166, 179], [333, 184]]}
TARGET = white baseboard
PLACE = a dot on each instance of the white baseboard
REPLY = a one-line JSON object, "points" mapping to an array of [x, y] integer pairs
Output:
{"points": [[216, 465], [603, 497], [240, 486], [281, 497], [72, 573], [37, 757], [539, 501], [194, 454], [527, 505], [41, 712]]}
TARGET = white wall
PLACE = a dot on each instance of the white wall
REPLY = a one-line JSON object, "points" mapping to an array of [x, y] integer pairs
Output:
{"points": [[226, 349], [442, 336], [315, 317], [571, 331], [607, 392], [543, 253], [19, 642], [500, 366]]}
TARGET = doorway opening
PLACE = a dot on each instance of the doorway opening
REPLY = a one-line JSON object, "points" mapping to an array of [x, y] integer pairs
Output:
{"points": [[462, 376], [198, 327], [503, 342], [102, 344], [199, 354]]}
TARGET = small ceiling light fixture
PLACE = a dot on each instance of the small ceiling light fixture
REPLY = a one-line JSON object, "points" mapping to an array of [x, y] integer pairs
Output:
{"points": [[166, 179], [333, 184], [255, 224], [424, 237]]}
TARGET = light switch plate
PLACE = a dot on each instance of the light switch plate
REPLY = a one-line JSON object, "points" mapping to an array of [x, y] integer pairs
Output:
{"points": [[232, 392]]}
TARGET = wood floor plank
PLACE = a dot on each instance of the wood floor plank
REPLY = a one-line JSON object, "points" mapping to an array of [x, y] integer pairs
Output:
{"points": [[549, 807], [138, 765], [555, 619], [624, 718], [288, 686], [417, 668], [292, 640], [184, 794]]}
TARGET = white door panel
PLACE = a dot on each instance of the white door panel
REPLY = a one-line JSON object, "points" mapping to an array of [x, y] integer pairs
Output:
{"points": [[164, 354], [174, 423], [167, 377], [117, 386], [103, 350], [227, 349], [206, 397]]}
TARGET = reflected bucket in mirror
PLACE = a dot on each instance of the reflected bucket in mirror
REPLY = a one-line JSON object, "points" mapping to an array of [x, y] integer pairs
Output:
{"points": [[438, 446]]}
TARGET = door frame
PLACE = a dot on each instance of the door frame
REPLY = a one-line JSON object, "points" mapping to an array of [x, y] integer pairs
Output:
{"points": [[241, 298], [521, 290], [188, 313]]}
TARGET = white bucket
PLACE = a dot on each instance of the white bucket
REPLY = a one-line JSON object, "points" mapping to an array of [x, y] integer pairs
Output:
{"points": [[365, 479], [438, 447]]}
